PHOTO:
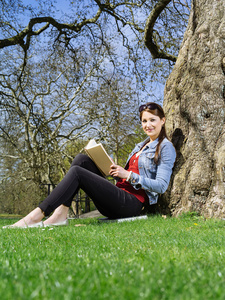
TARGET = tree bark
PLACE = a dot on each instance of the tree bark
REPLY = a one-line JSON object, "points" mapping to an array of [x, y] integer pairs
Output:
{"points": [[195, 107]]}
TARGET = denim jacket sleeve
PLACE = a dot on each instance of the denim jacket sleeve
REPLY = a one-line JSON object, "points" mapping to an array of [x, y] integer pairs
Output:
{"points": [[154, 178]]}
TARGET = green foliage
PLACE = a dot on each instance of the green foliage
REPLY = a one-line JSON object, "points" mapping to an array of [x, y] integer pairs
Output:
{"points": [[20, 197], [157, 258], [190, 214]]}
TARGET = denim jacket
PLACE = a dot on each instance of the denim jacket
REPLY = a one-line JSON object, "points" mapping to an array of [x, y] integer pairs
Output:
{"points": [[154, 179]]}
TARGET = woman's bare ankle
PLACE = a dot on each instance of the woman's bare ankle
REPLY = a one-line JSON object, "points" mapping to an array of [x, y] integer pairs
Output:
{"points": [[59, 215], [33, 217]]}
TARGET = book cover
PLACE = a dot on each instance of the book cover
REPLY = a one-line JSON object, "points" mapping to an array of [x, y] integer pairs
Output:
{"points": [[99, 155]]}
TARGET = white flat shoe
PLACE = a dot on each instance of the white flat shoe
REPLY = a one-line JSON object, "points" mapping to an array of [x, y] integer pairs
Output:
{"points": [[9, 226], [62, 223], [39, 224]]}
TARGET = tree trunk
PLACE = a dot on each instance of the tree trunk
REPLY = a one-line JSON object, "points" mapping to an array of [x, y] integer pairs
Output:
{"points": [[195, 107]]}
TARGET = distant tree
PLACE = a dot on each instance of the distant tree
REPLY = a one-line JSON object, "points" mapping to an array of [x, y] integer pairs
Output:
{"points": [[41, 111], [17, 196], [117, 114]]}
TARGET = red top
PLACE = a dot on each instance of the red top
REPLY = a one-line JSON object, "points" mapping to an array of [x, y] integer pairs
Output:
{"points": [[126, 186]]}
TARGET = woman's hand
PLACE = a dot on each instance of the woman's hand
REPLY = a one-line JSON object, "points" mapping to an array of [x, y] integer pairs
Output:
{"points": [[117, 171]]}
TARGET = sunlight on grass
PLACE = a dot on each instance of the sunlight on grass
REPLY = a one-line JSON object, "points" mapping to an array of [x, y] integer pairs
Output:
{"points": [[172, 258]]}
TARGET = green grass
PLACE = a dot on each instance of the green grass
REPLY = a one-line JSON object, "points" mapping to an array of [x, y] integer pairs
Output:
{"points": [[174, 258]]}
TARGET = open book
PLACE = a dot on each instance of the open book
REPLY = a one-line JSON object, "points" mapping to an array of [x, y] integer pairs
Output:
{"points": [[99, 156]]}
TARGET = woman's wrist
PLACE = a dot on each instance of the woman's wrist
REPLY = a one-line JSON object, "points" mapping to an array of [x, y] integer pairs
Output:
{"points": [[129, 176]]}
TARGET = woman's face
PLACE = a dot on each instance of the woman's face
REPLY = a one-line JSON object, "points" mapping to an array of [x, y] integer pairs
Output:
{"points": [[151, 124]]}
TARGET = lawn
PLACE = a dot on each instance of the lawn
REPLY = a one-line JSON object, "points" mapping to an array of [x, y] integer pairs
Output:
{"points": [[173, 258]]}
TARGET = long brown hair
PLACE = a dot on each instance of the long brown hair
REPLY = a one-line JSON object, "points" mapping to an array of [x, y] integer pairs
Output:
{"points": [[156, 110]]}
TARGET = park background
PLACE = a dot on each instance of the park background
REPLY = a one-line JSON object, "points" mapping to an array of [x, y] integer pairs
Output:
{"points": [[71, 71]]}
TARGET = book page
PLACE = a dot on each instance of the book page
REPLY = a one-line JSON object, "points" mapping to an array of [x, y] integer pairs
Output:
{"points": [[91, 143]]}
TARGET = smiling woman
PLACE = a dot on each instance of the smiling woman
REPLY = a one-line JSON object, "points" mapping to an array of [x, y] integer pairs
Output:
{"points": [[152, 125], [146, 174], [153, 120]]}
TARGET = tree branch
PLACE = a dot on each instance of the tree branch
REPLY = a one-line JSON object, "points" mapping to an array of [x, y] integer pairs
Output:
{"points": [[149, 40], [109, 8], [28, 31]]}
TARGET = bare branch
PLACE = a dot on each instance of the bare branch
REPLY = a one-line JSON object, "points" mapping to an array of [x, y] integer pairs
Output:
{"points": [[9, 156], [150, 43], [110, 9], [28, 31]]}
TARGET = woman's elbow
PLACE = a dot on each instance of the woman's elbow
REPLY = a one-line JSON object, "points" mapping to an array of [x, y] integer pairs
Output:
{"points": [[162, 186]]}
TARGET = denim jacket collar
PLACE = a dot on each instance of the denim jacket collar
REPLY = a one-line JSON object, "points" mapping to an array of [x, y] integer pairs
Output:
{"points": [[151, 145]]}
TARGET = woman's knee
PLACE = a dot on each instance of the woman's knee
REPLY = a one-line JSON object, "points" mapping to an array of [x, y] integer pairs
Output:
{"points": [[80, 159], [85, 162]]}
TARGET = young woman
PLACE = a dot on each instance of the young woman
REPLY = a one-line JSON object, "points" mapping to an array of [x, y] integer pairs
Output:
{"points": [[146, 174]]}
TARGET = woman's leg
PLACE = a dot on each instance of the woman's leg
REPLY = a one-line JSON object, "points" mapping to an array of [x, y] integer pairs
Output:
{"points": [[103, 190], [109, 199], [59, 215], [69, 186], [62, 194], [33, 217], [85, 162]]}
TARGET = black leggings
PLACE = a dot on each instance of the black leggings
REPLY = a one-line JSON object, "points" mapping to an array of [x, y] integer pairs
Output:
{"points": [[110, 200]]}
